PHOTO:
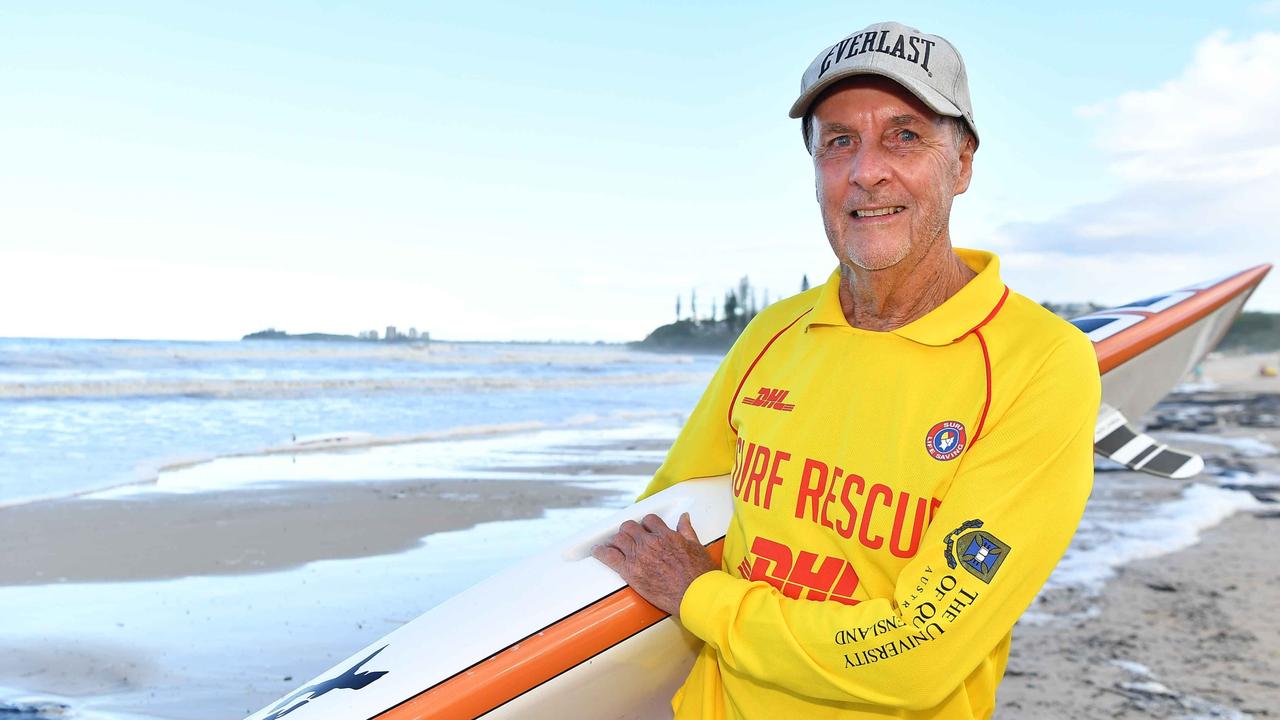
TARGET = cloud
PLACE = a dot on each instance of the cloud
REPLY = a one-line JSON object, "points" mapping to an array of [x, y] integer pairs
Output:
{"points": [[1199, 163], [1269, 7]]}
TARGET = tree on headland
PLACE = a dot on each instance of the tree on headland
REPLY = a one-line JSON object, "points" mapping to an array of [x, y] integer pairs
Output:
{"points": [[716, 332], [745, 300], [731, 310], [1251, 331]]}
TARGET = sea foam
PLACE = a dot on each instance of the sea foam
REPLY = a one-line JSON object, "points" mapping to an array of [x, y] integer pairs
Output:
{"points": [[1103, 545]]}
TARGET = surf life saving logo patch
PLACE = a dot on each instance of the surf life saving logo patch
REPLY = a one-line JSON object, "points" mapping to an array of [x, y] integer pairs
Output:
{"points": [[945, 440], [978, 551]]}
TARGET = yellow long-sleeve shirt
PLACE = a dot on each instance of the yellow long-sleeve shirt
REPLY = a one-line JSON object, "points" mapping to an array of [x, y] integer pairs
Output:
{"points": [[900, 498]]}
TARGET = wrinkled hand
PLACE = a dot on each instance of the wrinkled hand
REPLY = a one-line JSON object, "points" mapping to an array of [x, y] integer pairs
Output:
{"points": [[658, 562]]}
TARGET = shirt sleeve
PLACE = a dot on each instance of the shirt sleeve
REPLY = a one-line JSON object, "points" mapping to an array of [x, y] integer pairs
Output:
{"points": [[1004, 522], [707, 443]]}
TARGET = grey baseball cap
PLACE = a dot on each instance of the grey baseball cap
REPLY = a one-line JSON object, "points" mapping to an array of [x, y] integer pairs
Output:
{"points": [[927, 65]]}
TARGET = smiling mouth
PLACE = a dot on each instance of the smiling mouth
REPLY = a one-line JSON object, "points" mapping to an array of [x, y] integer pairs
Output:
{"points": [[877, 212]]}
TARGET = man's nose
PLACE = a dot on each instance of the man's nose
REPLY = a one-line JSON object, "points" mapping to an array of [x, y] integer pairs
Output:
{"points": [[870, 167]]}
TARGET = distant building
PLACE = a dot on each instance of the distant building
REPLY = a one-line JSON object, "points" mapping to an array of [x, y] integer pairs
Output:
{"points": [[393, 334], [1072, 309]]}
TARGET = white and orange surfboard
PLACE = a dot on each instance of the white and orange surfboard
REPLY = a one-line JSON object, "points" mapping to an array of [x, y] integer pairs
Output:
{"points": [[559, 636]]}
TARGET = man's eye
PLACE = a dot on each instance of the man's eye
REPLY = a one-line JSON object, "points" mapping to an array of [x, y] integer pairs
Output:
{"points": [[907, 136], [841, 141]]}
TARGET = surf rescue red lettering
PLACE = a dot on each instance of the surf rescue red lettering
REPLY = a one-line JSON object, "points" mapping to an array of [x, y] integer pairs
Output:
{"points": [[816, 498], [755, 470]]}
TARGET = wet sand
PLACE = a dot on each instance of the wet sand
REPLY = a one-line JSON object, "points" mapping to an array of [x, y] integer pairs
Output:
{"points": [[1192, 634], [159, 535]]}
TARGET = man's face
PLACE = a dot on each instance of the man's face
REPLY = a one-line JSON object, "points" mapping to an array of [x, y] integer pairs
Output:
{"points": [[886, 169]]}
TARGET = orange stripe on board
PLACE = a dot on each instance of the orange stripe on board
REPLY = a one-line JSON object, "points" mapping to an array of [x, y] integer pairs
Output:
{"points": [[536, 659], [1131, 342]]}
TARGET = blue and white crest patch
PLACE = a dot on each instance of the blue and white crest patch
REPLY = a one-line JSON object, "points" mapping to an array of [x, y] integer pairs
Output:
{"points": [[981, 553]]}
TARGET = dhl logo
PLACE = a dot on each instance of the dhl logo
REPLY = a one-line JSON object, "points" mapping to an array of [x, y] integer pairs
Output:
{"points": [[770, 398], [831, 579]]}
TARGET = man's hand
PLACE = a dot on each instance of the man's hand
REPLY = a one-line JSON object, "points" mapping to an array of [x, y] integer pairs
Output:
{"points": [[658, 562]]}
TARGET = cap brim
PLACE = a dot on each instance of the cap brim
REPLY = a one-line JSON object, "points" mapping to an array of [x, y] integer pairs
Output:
{"points": [[926, 94]]}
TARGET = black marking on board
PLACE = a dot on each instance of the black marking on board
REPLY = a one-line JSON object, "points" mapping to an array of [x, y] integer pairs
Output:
{"points": [[1137, 459], [350, 679], [1167, 463], [1115, 440]]}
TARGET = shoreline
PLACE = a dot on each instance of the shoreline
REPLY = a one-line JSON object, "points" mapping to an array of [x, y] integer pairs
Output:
{"points": [[260, 529], [151, 471], [1183, 635]]}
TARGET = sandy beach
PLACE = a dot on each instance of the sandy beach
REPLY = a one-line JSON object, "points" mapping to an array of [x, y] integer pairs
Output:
{"points": [[1184, 634], [1190, 634]]}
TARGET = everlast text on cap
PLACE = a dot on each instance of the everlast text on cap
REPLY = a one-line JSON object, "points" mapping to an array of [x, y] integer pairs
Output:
{"points": [[928, 66], [912, 48]]}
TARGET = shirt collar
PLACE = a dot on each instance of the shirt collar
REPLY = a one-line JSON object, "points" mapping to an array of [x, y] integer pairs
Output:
{"points": [[962, 313]]}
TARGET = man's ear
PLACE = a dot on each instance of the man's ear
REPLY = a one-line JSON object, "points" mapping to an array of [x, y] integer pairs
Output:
{"points": [[966, 166]]}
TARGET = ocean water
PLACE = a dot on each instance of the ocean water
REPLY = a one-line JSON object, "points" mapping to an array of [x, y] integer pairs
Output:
{"points": [[111, 418], [83, 415]]}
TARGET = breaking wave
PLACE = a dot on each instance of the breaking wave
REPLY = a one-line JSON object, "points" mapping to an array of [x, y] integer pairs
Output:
{"points": [[255, 388], [436, 353]]}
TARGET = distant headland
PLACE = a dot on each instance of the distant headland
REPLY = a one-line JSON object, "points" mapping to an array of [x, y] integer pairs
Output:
{"points": [[1252, 331], [391, 335], [716, 331]]}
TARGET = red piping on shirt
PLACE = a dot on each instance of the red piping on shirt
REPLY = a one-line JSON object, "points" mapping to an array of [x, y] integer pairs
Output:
{"points": [[986, 405], [990, 315], [734, 401], [986, 361]]}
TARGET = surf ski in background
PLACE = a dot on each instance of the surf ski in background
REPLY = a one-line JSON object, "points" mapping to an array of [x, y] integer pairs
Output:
{"points": [[1144, 348], [560, 636]]}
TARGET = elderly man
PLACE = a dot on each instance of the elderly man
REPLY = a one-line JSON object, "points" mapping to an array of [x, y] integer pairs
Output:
{"points": [[910, 443]]}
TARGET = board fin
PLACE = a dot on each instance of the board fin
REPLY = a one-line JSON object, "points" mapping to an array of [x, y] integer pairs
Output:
{"points": [[1115, 439]]}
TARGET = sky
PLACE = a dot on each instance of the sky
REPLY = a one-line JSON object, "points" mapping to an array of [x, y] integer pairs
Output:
{"points": [[531, 171]]}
